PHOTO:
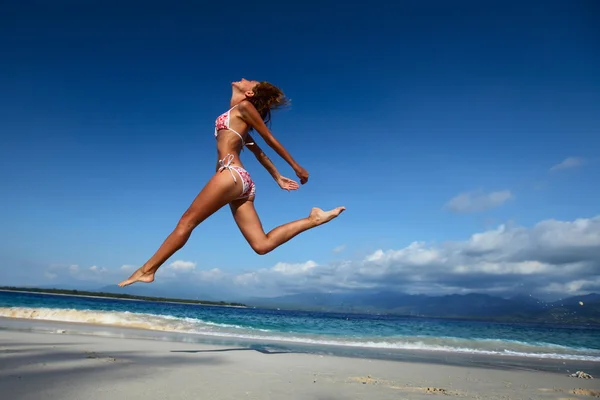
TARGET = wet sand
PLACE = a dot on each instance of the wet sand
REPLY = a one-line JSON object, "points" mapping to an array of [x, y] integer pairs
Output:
{"points": [[65, 366]]}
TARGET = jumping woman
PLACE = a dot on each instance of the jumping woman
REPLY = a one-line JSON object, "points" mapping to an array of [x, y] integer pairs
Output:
{"points": [[251, 104]]}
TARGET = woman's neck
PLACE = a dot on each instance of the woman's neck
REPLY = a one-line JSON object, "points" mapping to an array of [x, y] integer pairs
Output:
{"points": [[236, 98]]}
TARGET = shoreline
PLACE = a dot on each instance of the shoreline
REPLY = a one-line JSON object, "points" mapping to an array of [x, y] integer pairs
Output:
{"points": [[122, 298], [67, 366], [434, 357], [494, 320]]}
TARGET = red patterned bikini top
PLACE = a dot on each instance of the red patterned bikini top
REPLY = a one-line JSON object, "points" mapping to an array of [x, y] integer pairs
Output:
{"points": [[222, 122]]}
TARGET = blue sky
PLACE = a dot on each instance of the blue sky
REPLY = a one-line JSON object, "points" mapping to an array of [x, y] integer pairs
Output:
{"points": [[430, 123]]}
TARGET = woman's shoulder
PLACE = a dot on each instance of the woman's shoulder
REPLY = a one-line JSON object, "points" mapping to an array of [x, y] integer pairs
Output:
{"points": [[245, 105]]}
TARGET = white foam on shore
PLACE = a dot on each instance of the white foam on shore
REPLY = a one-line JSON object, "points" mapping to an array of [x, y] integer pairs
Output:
{"points": [[196, 326]]}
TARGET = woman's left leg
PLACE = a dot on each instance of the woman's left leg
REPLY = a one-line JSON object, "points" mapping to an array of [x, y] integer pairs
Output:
{"points": [[218, 192]]}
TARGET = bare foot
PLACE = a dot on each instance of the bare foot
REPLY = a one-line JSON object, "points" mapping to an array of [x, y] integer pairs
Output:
{"points": [[138, 276], [320, 217]]}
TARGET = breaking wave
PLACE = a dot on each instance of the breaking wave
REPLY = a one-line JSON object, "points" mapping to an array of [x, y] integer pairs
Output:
{"points": [[194, 326]]}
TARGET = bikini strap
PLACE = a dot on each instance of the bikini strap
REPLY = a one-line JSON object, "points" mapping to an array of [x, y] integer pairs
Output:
{"points": [[226, 164], [234, 131]]}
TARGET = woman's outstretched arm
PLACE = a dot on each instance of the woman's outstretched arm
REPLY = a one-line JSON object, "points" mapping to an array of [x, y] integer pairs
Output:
{"points": [[254, 120], [260, 155], [283, 182]]}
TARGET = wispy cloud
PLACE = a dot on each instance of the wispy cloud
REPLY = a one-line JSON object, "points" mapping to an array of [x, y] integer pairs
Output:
{"points": [[567, 163], [93, 273], [339, 249], [50, 276], [478, 201]]}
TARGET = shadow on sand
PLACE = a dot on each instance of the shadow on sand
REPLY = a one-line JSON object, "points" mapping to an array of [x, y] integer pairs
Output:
{"points": [[64, 370], [259, 349]]}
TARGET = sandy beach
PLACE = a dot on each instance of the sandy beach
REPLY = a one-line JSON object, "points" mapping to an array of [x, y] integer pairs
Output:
{"points": [[61, 365]]}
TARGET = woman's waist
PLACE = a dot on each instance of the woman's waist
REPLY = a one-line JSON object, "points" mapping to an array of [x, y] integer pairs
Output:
{"points": [[229, 159]]}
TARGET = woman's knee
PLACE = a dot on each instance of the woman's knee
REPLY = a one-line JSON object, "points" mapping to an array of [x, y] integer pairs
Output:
{"points": [[186, 223], [261, 248]]}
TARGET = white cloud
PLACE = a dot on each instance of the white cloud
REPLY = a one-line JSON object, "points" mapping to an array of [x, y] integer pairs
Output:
{"points": [[339, 249], [574, 286], [128, 267], [280, 269], [551, 258], [95, 269], [477, 201], [548, 258], [415, 254], [569, 162], [293, 269], [182, 266]]}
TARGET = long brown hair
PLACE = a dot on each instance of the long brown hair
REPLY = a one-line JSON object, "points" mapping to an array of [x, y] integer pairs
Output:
{"points": [[267, 97]]}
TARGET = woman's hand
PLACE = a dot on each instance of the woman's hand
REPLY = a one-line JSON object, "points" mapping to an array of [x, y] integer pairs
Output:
{"points": [[302, 174], [287, 183]]}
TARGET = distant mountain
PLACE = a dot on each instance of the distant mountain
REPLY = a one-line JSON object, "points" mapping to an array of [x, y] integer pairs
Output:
{"points": [[474, 305], [571, 309], [586, 298]]}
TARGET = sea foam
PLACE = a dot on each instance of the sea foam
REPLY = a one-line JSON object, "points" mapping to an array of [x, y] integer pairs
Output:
{"points": [[168, 323]]}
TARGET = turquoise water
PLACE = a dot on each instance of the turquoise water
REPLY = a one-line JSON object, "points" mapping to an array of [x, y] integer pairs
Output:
{"points": [[329, 329]]}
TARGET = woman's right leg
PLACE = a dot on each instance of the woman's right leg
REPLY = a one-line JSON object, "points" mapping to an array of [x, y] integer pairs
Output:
{"points": [[247, 220], [219, 191]]}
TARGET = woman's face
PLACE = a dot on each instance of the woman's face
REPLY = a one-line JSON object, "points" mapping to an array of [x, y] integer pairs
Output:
{"points": [[244, 85]]}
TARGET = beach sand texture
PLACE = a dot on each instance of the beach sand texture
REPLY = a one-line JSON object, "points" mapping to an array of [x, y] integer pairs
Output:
{"points": [[57, 366]]}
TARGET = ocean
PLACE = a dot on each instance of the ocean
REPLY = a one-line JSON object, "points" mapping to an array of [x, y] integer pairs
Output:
{"points": [[290, 329]]}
